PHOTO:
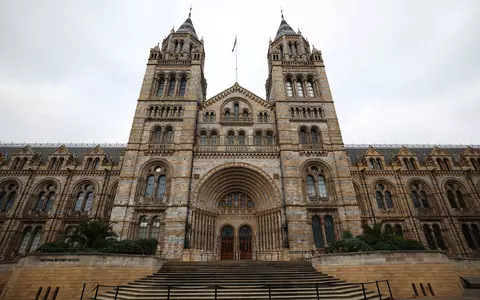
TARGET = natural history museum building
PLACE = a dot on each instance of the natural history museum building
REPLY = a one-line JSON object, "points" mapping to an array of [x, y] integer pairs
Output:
{"points": [[237, 174]]}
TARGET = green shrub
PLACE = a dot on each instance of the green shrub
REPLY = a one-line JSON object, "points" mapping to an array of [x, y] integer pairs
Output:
{"points": [[149, 246], [55, 247], [123, 247], [348, 245], [406, 244]]}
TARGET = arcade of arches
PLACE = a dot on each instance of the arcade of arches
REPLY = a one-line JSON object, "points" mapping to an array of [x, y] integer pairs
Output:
{"points": [[236, 210]]}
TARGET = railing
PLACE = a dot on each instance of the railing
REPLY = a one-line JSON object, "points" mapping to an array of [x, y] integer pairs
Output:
{"points": [[266, 287], [233, 121], [237, 148]]}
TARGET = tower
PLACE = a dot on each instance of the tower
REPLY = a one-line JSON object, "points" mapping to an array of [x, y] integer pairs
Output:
{"points": [[156, 174], [318, 187]]}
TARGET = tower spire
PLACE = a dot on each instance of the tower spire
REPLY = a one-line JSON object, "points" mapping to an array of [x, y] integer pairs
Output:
{"points": [[190, 13], [281, 10]]}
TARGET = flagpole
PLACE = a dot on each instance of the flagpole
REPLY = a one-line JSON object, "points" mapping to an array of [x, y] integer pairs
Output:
{"points": [[236, 60]]}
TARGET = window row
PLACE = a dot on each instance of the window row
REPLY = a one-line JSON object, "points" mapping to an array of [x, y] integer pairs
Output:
{"points": [[297, 87], [260, 138], [171, 86], [307, 112], [236, 113], [164, 111], [235, 203], [161, 135], [419, 195]]}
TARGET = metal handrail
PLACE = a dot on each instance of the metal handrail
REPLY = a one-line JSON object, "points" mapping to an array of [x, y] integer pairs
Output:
{"points": [[269, 287]]}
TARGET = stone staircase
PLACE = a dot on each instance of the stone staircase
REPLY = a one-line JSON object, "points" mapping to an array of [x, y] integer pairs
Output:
{"points": [[239, 280]]}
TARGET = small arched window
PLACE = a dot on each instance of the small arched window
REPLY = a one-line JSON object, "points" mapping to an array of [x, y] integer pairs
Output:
{"points": [[236, 110], [45, 198], [171, 86], [26, 240], [455, 196], [157, 135], [303, 136], [143, 227], [469, 237], [79, 201], [269, 139], [84, 198], [213, 139], [258, 138], [419, 196], [316, 183], [289, 88], [379, 198], [314, 135], [310, 185], [161, 87], [241, 138], [299, 88], [88, 202], [168, 136], [227, 115], [383, 196], [155, 230], [329, 229], [438, 237], [162, 185], [398, 230], [183, 87], [203, 138], [231, 139], [150, 185], [245, 115], [310, 90], [322, 188], [39, 203]]}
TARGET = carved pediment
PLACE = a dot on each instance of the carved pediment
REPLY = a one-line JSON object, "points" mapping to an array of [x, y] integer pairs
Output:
{"points": [[62, 150], [236, 91], [97, 151], [372, 152], [439, 152], [405, 152]]}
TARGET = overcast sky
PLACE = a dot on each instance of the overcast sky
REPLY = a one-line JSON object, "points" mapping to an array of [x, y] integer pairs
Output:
{"points": [[405, 71]]}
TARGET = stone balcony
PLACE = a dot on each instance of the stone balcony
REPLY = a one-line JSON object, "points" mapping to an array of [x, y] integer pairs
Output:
{"points": [[240, 121], [238, 148]]}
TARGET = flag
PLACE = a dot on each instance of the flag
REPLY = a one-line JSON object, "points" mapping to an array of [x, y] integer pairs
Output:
{"points": [[234, 44]]}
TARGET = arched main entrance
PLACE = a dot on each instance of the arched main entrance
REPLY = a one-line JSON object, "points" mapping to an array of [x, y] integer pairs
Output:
{"points": [[236, 212], [245, 242], [227, 242]]}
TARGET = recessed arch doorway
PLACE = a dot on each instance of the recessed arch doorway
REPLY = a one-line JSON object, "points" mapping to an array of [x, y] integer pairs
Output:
{"points": [[227, 242]]}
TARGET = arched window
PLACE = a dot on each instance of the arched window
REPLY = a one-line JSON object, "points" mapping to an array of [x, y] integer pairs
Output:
{"points": [[155, 230], [168, 136], [379, 164], [53, 162], [213, 139], [162, 185], [84, 198], [475, 163], [236, 109], [469, 237], [157, 135], [299, 88], [245, 115], [388, 229], [455, 196], [161, 87], [96, 163], [235, 203], [227, 115], [398, 230], [438, 237], [329, 229], [303, 136], [143, 227], [383, 196], [269, 139], [150, 185], [258, 138], [45, 198], [419, 196], [310, 90], [379, 198], [231, 139], [429, 237], [314, 135], [413, 164], [26, 240], [183, 87], [310, 186], [317, 232], [446, 162], [322, 188], [171, 86], [289, 88], [203, 138], [241, 138]]}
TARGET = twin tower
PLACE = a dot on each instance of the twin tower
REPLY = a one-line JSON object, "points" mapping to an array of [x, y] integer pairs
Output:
{"points": [[235, 175]]}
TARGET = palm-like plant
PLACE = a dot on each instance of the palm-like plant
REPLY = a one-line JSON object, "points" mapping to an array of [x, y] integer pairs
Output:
{"points": [[91, 233]]}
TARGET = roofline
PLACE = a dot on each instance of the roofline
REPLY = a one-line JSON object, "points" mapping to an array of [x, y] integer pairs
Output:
{"points": [[422, 146], [68, 145]]}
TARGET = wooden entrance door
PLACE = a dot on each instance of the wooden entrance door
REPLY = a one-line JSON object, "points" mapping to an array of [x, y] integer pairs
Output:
{"points": [[245, 242], [227, 242]]}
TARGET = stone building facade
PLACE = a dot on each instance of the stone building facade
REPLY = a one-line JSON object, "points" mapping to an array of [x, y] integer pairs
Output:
{"points": [[236, 175]]}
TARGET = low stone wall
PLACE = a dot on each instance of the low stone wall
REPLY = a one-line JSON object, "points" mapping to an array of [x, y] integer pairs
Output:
{"points": [[402, 269], [466, 266], [70, 272], [5, 272]]}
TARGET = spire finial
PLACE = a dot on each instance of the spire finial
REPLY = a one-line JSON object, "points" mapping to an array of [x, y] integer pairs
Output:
{"points": [[281, 10], [190, 13]]}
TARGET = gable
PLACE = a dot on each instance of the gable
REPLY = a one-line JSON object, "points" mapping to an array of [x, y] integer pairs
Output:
{"points": [[97, 151], [62, 150], [439, 152], [405, 152], [372, 152], [236, 91]]}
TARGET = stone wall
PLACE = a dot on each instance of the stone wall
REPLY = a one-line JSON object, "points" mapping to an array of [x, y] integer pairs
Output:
{"points": [[70, 272], [5, 272], [402, 269]]}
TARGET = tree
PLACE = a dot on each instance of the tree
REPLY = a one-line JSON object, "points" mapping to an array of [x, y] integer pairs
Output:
{"points": [[93, 234]]}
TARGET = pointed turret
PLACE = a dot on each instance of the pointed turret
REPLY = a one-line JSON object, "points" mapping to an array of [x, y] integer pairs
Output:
{"points": [[284, 29], [187, 26]]}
